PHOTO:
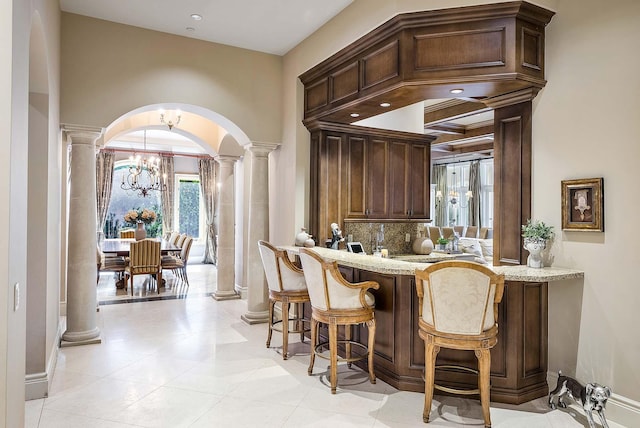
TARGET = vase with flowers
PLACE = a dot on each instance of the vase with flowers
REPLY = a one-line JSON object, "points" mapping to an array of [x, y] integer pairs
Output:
{"points": [[536, 234], [139, 218]]}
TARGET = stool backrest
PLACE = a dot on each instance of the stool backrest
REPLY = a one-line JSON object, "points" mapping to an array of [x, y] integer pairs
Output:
{"points": [[459, 297], [282, 275]]}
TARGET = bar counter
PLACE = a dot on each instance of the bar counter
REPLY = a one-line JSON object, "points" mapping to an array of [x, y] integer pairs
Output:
{"points": [[518, 361]]}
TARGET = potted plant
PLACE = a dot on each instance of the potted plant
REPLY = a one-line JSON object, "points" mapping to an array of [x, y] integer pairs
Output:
{"points": [[536, 234], [442, 243]]}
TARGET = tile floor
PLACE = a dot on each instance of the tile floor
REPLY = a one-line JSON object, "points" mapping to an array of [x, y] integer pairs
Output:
{"points": [[189, 361]]}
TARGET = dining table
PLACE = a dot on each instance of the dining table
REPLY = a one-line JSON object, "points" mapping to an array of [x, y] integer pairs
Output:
{"points": [[122, 247]]}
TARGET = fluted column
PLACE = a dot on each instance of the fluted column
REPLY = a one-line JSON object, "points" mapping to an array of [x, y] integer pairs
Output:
{"points": [[257, 295], [82, 325], [225, 284]]}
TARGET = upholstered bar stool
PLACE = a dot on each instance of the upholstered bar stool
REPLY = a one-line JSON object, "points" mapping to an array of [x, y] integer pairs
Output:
{"points": [[335, 301], [286, 285], [458, 309]]}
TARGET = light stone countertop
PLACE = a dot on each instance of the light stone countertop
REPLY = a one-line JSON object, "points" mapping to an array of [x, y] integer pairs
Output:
{"points": [[399, 267]]}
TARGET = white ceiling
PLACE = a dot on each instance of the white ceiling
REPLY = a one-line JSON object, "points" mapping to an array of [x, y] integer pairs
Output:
{"points": [[271, 26], [156, 141]]}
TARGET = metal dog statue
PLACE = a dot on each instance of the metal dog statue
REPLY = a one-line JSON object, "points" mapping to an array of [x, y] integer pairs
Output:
{"points": [[593, 397]]}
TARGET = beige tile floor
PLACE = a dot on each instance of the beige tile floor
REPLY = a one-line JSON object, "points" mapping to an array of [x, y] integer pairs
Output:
{"points": [[191, 362]]}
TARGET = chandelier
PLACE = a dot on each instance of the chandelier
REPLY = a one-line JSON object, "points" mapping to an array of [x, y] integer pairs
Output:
{"points": [[170, 121], [454, 195], [144, 174]]}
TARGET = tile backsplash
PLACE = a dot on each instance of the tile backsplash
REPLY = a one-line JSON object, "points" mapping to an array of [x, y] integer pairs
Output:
{"points": [[394, 235]]}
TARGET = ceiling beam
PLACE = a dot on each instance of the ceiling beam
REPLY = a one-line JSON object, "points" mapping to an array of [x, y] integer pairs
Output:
{"points": [[448, 111], [469, 135]]}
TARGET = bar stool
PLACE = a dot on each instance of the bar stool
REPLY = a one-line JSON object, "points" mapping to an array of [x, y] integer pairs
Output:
{"points": [[286, 285], [458, 309], [335, 301]]}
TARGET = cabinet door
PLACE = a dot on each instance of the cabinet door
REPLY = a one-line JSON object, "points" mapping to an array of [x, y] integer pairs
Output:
{"points": [[326, 155], [355, 167], [419, 162], [399, 189], [378, 172]]}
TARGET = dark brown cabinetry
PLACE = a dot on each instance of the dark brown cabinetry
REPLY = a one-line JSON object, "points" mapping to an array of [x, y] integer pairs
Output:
{"points": [[366, 173]]}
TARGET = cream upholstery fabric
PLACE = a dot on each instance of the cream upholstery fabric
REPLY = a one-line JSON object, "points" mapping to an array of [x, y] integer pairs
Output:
{"points": [[335, 295], [458, 300], [458, 230], [470, 246], [173, 238], [487, 248], [291, 280], [181, 239]]}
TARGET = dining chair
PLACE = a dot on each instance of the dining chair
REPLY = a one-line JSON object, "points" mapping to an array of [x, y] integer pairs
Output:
{"points": [[458, 309], [109, 263], [459, 230], [286, 286], [127, 234], [472, 232], [448, 233], [335, 301], [484, 233], [434, 234], [178, 264], [144, 259]]}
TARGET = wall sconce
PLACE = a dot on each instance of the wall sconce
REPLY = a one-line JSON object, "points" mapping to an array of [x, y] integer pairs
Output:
{"points": [[170, 121]]}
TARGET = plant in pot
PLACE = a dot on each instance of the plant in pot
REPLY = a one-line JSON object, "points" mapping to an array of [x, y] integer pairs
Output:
{"points": [[536, 234], [442, 243]]}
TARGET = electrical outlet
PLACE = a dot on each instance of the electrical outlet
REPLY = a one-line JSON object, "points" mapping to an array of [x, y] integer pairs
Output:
{"points": [[16, 296], [407, 237], [350, 237]]}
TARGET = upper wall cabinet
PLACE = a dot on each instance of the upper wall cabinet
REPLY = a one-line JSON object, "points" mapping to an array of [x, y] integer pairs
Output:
{"points": [[486, 51], [366, 173]]}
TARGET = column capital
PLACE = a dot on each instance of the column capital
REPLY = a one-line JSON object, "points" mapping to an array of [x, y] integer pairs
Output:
{"points": [[228, 159], [80, 134], [260, 149]]}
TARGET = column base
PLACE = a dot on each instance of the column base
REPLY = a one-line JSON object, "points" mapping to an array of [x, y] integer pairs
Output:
{"points": [[225, 295], [255, 317], [71, 338]]}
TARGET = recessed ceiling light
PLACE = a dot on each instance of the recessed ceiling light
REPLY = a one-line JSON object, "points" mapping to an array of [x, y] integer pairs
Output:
{"points": [[196, 17], [457, 91], [385, 104], [190, 29], [355, 115]]}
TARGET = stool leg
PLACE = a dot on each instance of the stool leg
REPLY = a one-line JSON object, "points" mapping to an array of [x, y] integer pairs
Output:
{"points": [[333, 351], [299, 322], [430, 353], [285, 328], [271, 305], [371, 324], [312, 346], [484, 377], [347, 345]]}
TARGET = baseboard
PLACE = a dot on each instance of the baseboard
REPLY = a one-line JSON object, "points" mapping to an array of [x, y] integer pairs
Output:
{"points": [[242, 291], [37, 385], [620, 409]]}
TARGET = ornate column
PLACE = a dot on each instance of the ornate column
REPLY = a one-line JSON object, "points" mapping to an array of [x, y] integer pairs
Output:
{"points": [[82, 326], [225, 284], [257, 294]]}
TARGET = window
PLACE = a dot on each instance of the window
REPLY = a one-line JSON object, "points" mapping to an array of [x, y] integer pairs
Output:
{"points": [[125, 200], [189, 207], [486, 192]]}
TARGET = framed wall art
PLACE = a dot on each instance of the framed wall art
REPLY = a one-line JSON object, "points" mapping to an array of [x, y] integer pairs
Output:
{"points": [[583, 204]]}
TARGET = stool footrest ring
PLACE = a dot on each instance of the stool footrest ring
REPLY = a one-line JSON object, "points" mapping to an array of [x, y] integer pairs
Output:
{"points": [[317, 350], [458, 391]]}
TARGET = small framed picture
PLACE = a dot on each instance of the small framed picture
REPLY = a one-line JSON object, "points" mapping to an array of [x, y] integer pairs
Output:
{"points": [[583, 204]]}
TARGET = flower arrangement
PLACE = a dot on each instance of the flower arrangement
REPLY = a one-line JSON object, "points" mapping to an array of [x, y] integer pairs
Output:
{"points": [[145, 216], [536, 231]]}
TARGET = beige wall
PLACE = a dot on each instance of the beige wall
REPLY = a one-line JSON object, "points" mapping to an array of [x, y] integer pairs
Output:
{"points": [[110, 69], [583, 126], [16, 28]]}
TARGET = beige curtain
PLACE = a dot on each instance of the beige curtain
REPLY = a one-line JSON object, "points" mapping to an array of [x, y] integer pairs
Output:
{"points": [[209, 191], [168, 196], [439, 178], [474, 186], [104, 180]]}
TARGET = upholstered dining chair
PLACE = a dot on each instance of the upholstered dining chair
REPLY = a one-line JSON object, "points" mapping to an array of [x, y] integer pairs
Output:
{"points": [[127, 234], [178, 264], [181, 239], [472, 232], [173, 237], [286, 286], [458, 309], [144, 259], [448, 232], [484, 233], [335, 301], [459, 230], [108, 263], [434, 234]]}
